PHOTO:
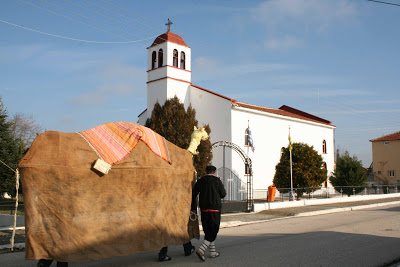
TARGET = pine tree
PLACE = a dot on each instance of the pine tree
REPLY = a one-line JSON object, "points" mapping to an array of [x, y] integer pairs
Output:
{"points": [[349, 174], [11, 151], [307, 166], [176, 125]]}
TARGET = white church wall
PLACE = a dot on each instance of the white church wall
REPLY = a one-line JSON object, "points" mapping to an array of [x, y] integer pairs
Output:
{"points": [[270, 134], [169, 71], [179, 89], [215, 111], [156, 92], [142, 118]]}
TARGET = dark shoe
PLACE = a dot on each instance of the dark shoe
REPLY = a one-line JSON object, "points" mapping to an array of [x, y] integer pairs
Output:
{"points": [[188, 253], [164, 258], [44, 263]]}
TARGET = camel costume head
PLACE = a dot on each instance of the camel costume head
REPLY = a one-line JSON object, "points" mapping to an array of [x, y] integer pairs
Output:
{"points": [[197, 136]]}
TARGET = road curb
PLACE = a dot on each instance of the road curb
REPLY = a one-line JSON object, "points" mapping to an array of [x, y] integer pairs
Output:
{"points": [[311, 213], [16, 246], [239, 223]]}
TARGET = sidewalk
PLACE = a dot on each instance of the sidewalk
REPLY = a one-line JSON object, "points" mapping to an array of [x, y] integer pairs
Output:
{"points": [[237, 219]]}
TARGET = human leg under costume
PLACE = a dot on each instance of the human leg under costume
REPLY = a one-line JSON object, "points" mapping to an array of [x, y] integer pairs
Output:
{"points": [[210, 222]]}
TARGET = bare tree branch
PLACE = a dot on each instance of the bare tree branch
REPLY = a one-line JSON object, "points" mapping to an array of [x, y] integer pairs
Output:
{"points": [[23, 127]]}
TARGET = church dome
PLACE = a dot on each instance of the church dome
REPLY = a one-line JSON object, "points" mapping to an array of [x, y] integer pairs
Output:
{"points": [[171, 37]]}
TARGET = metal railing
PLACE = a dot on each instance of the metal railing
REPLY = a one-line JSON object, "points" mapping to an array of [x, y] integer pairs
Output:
{"points": [[282, 194], [7, 209], [234, 186]]}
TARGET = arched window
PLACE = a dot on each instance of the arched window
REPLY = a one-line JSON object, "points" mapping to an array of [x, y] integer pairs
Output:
{"points": [[324, 147], [182, 60], [153, 60], [175, 58], [160, 58]]}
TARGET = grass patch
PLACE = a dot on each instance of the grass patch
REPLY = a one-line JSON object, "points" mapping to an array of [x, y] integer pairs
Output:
{"points": [[7, 206]]}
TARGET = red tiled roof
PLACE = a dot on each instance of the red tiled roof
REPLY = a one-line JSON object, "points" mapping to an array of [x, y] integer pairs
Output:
{"points": [[285, 111], [389, 137], [214, 93], [169, 36], [304, 114]]}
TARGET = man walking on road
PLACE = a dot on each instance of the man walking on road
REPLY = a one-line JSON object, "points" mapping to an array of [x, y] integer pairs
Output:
{"points": [[211, 191]]}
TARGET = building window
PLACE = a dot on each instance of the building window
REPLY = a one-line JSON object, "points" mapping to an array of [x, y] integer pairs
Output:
{"points": [[182, 60], [175, 58], [386, 143], [391, 174], [324, 147], [154, 60], [324, 165], [160, 58]]}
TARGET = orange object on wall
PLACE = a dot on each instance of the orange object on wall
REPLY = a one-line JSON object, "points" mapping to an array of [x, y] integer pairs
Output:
{"points": [[271, 193]]}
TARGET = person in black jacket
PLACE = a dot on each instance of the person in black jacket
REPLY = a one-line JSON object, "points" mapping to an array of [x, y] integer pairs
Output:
{"points": [[211, 191]]}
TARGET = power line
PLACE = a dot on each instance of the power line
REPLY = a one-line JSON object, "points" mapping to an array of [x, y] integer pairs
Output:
{"points": [[88, 18], [104, 16], [208, 50], [131, 13], [72, 19], [381, 2], [351, 109], [120, 14], [74, 39]]}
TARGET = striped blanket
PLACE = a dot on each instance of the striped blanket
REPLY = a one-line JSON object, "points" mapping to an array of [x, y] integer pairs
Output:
{"points": [[115, 140]]}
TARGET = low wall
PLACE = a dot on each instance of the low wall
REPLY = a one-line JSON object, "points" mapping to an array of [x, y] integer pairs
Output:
{"points": [[304, 202]]}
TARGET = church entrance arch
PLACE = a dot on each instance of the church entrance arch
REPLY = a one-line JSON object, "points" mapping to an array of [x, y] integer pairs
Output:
{"points": [[233, 184]]}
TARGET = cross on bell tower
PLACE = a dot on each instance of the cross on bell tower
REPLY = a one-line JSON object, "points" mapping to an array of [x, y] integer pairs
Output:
{"points": [[169, 24]]}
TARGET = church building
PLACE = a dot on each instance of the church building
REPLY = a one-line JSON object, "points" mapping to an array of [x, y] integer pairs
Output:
{"points": [[169, 74]]}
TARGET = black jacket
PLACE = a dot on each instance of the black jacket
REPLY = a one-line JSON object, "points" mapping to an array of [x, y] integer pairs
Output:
{"points": [[211, 191]]}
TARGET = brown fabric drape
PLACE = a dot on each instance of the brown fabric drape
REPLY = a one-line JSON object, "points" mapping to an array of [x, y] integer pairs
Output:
{"points": [[74, 214]]}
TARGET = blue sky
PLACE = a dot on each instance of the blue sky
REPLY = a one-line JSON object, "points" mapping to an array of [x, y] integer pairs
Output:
{"points": [[339, 60]]}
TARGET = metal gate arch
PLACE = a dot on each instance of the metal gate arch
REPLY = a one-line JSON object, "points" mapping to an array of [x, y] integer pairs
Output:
{"points": [[248, 168]]}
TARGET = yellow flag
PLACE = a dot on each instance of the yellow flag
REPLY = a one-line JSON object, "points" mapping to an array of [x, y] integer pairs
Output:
{"points": [[290, 142]]}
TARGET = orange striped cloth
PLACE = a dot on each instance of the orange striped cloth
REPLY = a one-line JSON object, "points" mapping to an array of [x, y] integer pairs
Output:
{"points": [[115, 140]]}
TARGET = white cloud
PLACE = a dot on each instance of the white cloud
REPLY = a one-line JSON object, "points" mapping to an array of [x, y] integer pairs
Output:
{"points": [[210, 68], [119, 71], [101, 94], [283, 43], [366, 111], [118, 80], [316, 14], [68, 120], [288, 22]]}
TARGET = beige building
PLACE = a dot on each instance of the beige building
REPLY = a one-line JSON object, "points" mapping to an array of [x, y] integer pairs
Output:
{"points": [[386, 158]]}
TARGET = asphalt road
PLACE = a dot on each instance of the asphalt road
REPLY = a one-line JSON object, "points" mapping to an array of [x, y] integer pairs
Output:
{"points": [[369, 237]]}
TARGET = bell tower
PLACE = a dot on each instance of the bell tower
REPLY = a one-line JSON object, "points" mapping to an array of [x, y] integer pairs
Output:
{"points": [[169, 70]]}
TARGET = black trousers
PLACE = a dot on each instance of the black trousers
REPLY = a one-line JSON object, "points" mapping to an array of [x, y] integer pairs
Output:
{"points": [[47, 263], [187, 247], [210, 222]]}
